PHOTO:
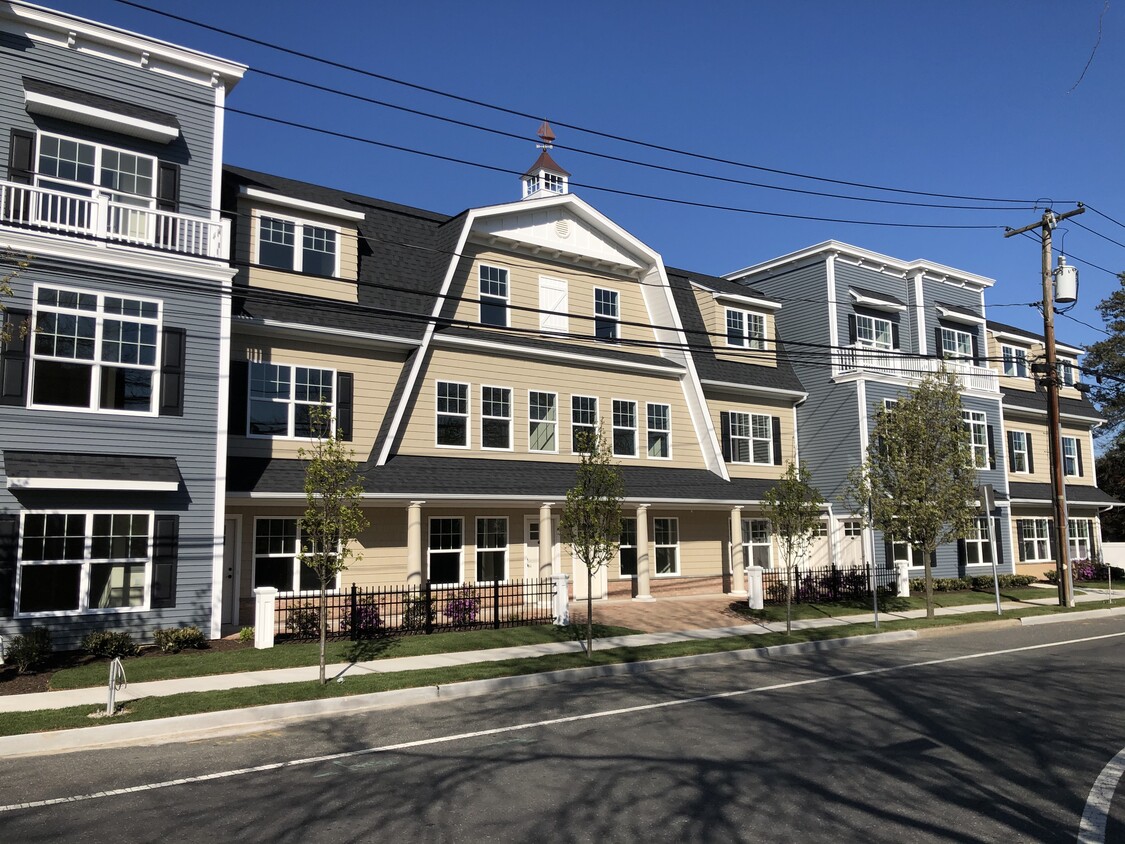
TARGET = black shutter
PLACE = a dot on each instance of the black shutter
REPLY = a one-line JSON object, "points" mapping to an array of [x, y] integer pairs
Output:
{"points": [[239, 396], [165, 550], [776, 440], [1011, 452], [21, 157], [962, 553], [888, 552], [13, 359], [991, 447], [852, 333], [724, 434], [894, 336], [1078, 451], [1052, 539], [937, 342], [997, 550], [344, 389], [976, 349], [172, 366], [168, 186], [1019, 539], [1030, 452], [9, 536]]}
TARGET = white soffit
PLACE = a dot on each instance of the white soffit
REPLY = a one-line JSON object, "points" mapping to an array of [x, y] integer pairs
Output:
{"points": [[301, 204]]}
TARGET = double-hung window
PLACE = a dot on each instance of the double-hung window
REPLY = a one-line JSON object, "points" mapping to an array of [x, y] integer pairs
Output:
{"points": [[84, 562], [659, 430], [496, 418], [445, 550], [624, 428], [1034, 540], [583, 423], [282, 398], [493, 296], [607, 314], [1018, 442], [666, 541], [751, 438], [627, 549], [1070, 456], [277, 558], [756, 543], [1066, 374], [746, 329], [452, 414], [873, 333], [492, 548], [956, 343], [978, 550], [1015, 361], [974, 421], [542, 422], [1078, 539], [298, 246], [94, 351]]}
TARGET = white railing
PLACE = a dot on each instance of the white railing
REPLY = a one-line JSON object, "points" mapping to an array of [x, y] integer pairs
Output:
{"points": [[107, 222], [894, 364]]}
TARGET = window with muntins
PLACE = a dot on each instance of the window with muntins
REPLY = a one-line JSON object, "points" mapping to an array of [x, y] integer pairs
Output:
{"points": [[627, 549], [873, 332], [496, 418], [624, 428], [84, 562], [974, 421], [746, 329], [493, 296], [1070, 456], [955, 343], [756, 542], [606, 314], [978, 550], [93, 351], [583, 422], [452, 414], [1066, 374], [298, 246], [282, 398], [277, 561], [446, 547], [1034, 540], [492, 549], [1015, 361], [1018, 443], [542, 422], [751, 438], [659, 430], [666, 542], [1078, 535]]}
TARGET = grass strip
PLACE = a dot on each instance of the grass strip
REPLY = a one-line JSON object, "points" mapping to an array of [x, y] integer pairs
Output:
{"points": [[16, 723], [836, 609]]}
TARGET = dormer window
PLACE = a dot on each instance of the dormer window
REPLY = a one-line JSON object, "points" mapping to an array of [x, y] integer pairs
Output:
{"points": [[746, 329], [873, 333], [278, 239], [1015, 361], [956, 343]]}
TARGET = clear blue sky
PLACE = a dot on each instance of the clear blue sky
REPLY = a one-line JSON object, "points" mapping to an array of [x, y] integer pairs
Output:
{"points": [[960, 97]]}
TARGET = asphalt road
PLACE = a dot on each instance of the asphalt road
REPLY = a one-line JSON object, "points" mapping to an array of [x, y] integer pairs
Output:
{"points": [[997, 747]]}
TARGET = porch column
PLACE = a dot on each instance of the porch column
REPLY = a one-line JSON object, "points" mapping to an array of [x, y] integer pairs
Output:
{"points": [[644, 561], [414, 543], [546, 541], [737, 552]]}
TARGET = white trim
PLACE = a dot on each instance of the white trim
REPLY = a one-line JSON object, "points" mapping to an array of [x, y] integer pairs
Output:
{"points": [[301, 204], [799, 395], [221, 445], [57, 107], [1030, 339], [861, 397], [833, 314], [597, 418], [636, 455], [615, 319], [275, 328], [656, 547], [920, 311], [236, 575], [461, 551], [957, 316], [506, 548], [876, 303], [287, 499], [295, 558], [467, 416], [481, 295], [749, 301], [17, 482], [291, 403], [217, 131], [667, 432], [511, 446], [299, 224], [531, 352], [530, 422]]}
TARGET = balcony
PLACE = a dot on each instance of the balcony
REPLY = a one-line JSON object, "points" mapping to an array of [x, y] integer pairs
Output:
{"points": [[878, 363], [107, 223]]}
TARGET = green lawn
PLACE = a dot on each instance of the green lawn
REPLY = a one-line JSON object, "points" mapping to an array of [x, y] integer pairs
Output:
{"points": [[199, 702], [204, 662], [916, 601]]}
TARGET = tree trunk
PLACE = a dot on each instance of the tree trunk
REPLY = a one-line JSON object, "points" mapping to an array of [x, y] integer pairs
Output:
{"points": [[589, 612], [323, 628], [929, 583], [788, 598]]}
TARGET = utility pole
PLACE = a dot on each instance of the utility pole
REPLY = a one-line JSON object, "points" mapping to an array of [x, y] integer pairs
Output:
{"points": [[1051, 380]]}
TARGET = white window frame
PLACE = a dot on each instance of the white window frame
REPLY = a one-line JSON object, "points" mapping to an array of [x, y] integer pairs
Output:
{"points": [[657, 433], [853, 527], [673, 547], [865, 324], [751, 438], [299, 225], [1067, 376], [284, 555], [493, 418], [576, 426], [757, 533], [977, 424], [1020, 451], [466, 416], [903, 551], [431, 550], [1035, 535], [542, 417], [492, 549], [623, 545], [1069, 456], [98, 362], [956, 344], [1080, 538], [624, 429], [487, 295], [606, 316], [745, 329], [291, 402], [977, 544], [1015, 361], [87, 563]]}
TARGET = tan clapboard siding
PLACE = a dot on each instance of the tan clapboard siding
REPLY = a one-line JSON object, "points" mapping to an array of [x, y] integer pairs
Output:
{"points": [[717, 325], [719, 402], [702, 540], [1041, 452], [1035, 352], [565, 379], [246, 251], [305, 285], [375, 371], [523, 291]]}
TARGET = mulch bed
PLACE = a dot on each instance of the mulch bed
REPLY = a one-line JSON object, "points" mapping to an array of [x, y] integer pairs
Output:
{"points": [[13, 683]]}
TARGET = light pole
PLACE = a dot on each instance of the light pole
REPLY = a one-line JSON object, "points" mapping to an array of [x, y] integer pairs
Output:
{"points": [[1050, 378]]}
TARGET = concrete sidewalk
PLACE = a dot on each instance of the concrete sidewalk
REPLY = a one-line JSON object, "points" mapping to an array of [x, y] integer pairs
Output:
{"points": [[342, 671]]}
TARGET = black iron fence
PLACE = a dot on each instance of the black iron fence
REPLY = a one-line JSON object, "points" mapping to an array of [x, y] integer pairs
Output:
{"points": [[818, 585], [366, 613]]}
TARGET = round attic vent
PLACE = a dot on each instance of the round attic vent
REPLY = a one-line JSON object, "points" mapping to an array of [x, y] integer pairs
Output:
{"points": [[562, 228]]}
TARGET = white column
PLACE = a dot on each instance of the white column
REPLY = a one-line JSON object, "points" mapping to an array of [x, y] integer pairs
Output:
{"points": [[737, 552], [414, 544], [265, 599], [644, 560], [546, 542], [756, 597], [903, 579]]}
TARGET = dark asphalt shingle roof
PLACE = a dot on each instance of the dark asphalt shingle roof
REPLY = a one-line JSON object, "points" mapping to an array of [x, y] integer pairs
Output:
{"points": [[877, 296], [959, 310], [1075, 493], [90, 467], [1033, 400], [74, 95]]}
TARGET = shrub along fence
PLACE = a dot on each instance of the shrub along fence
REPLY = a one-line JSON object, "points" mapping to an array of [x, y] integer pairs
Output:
{"points": [[365, 613], [827, 583]]}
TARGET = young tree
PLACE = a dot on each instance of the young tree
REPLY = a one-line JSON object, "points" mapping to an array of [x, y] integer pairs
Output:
{"points": [[333, 517], [793, 508], [1107, 359], [918, 483], [10, 267], [591, 518]]}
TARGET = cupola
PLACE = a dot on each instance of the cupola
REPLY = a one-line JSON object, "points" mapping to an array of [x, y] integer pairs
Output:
{"points": [[545, 177]]}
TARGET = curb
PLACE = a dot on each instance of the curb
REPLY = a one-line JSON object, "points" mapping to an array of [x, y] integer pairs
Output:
{"points": [[1072, 616], [232, 722]]}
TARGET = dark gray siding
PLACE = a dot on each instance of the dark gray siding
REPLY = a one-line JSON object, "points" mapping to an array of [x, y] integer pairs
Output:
{"points": [[935, 293], [849, 275]]}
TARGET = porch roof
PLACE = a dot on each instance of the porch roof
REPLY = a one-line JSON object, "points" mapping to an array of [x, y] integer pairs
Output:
{"points": [[1075, 494]]}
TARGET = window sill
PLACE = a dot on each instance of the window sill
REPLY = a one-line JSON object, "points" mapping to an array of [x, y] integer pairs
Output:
{"points": [[78, 613]]}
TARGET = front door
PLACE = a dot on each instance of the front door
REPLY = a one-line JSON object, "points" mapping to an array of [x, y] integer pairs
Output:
{"points": [[851, 543], [230, 572]]}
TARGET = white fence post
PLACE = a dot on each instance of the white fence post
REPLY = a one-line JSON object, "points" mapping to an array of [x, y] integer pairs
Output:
{"points": [[562, 600], [903, 579], [265, 598], [756, 597]]}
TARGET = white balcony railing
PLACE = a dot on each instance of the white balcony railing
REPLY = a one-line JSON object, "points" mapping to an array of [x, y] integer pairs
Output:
{"points": [[894, 364], [107, 222]]}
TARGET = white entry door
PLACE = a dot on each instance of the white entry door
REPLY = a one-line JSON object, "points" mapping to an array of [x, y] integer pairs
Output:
{"points": [[230, 572], [531, 546], [851, 543]]}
